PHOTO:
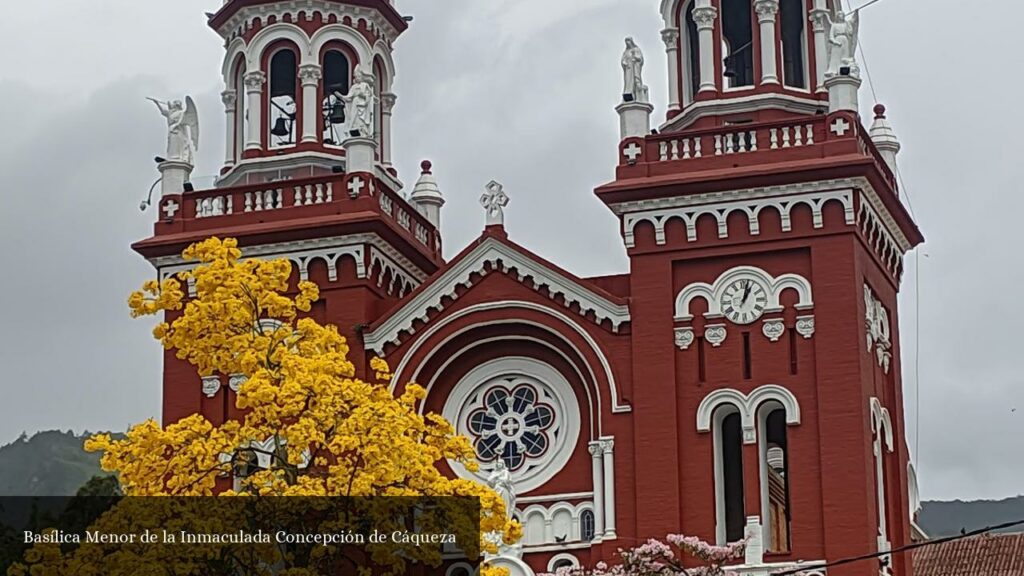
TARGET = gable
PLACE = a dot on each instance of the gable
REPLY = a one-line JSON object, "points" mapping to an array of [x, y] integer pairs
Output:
{"points": [[489, 256]]}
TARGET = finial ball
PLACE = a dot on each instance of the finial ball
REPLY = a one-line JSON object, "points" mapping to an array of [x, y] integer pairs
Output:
{"points": [[426, 166], [879, 111]]}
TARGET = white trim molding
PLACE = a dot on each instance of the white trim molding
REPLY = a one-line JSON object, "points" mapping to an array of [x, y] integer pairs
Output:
{"points": [[302, 253], [878, 329], [500, 257], [747, 405], [546, 526], [713, 293], [568, 322], [553, 564], [752, 208]]}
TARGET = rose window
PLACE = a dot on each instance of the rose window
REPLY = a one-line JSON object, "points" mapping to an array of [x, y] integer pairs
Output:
{"points": [[511, 423], [519, 411]]}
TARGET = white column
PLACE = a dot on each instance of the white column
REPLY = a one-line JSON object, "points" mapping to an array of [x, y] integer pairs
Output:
{"points": [[608, 448], [883, 536], [819, 25], [254, 82], [704, 14], [230, 100], [670, 36], [387, 105], [596, 457], [766, 13], [309, 75]]}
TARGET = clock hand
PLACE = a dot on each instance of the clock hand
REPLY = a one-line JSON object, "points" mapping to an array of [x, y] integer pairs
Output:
{"points": [[746, 293]]}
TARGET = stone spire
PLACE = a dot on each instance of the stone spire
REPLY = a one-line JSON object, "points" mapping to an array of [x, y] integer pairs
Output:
{"points": [[884, 137], [426, 195]]}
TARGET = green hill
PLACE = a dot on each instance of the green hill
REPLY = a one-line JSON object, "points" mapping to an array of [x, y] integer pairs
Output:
{"points": [[47, 464], [948, 518]]}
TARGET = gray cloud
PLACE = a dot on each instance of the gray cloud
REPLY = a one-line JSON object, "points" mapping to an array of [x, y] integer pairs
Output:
{"points": [[517, 90]]}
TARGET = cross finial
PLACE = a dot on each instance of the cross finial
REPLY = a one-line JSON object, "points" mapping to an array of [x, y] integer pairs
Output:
{"points": [[494, 201]]}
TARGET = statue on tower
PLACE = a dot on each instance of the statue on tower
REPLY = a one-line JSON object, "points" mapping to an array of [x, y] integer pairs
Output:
{"points": [[182, 129], [633, 70], [360, 103], [842, 43]]}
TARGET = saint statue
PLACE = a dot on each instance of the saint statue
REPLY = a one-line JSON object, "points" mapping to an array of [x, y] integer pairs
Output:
{"points": [[633, 69], [842, 43], [500, 480], [182, 129], [360, 105]]}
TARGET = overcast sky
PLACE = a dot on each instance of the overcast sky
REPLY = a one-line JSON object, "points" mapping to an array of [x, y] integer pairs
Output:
{"points": [[516, 90]]}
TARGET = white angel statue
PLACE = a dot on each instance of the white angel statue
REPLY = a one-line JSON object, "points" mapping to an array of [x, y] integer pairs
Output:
{"points": [[182, 129], [842, 42]]}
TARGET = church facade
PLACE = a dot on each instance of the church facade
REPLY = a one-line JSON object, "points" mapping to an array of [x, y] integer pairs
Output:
{"points": [[741, 380]]}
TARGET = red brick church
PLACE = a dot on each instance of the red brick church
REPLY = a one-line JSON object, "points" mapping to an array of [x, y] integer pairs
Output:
{"points": [[740, 380]]}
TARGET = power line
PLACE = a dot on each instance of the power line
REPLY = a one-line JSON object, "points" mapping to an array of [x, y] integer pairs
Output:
{"points": [[901, 549]]}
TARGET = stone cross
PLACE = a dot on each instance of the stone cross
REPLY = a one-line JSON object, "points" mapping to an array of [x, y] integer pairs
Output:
{"points": [[171, 208], [494, 201], [355, 186], [840, 127], [632, 152]]}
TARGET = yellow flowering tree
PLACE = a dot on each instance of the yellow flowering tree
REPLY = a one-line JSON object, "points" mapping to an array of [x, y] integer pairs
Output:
{"points": [[309, 427]]}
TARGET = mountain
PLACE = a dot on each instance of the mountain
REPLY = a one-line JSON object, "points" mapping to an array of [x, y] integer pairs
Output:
{"points": [[948, 518], [47, 464]]}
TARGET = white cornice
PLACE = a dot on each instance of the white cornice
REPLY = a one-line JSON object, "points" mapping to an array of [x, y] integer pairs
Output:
{"points": [[800, 105], [244, 18], [506, 259], [641, 209], [302, 252], [293, 161]]}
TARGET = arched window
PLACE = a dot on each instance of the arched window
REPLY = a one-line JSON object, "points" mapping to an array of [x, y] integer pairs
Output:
{"points": [[282, 107], [728, 438], [587, 525], [693, 53], [737, 44], [794, 65], [337, 73], [773, 447]]}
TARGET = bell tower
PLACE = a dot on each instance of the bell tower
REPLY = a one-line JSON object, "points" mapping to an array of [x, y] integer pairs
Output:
{"points": [[288, 72], [307, 173], [766, 240]]}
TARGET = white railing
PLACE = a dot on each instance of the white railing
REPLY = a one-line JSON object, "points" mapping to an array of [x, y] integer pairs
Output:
{"points": [[309, 194], [264, 200], [214, 206], [790, 136]]}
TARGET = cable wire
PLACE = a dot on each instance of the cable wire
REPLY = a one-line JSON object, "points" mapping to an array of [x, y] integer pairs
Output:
{"points": [[901, 549]]}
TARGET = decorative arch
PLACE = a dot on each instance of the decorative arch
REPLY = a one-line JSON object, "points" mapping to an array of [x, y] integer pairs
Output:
{"points": [[747, 404], [273, 34], [569, 323], [347, 34], [458, 568], [236, 49], [881, 423], [774, 286], [559, 560], [383, 52]]}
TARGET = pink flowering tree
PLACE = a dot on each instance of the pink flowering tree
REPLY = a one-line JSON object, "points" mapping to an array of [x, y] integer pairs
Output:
{"points": [[657, 558]]}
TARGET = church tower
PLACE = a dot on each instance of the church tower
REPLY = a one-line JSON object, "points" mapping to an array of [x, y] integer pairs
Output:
{"points": [[766, 240], [307, 172]]}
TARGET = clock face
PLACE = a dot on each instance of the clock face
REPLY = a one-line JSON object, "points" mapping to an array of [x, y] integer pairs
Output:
{"points": [[744, 301]]}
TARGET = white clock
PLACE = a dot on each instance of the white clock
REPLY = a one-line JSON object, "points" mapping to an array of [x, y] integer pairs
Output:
{"points": [[744, 301]]}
